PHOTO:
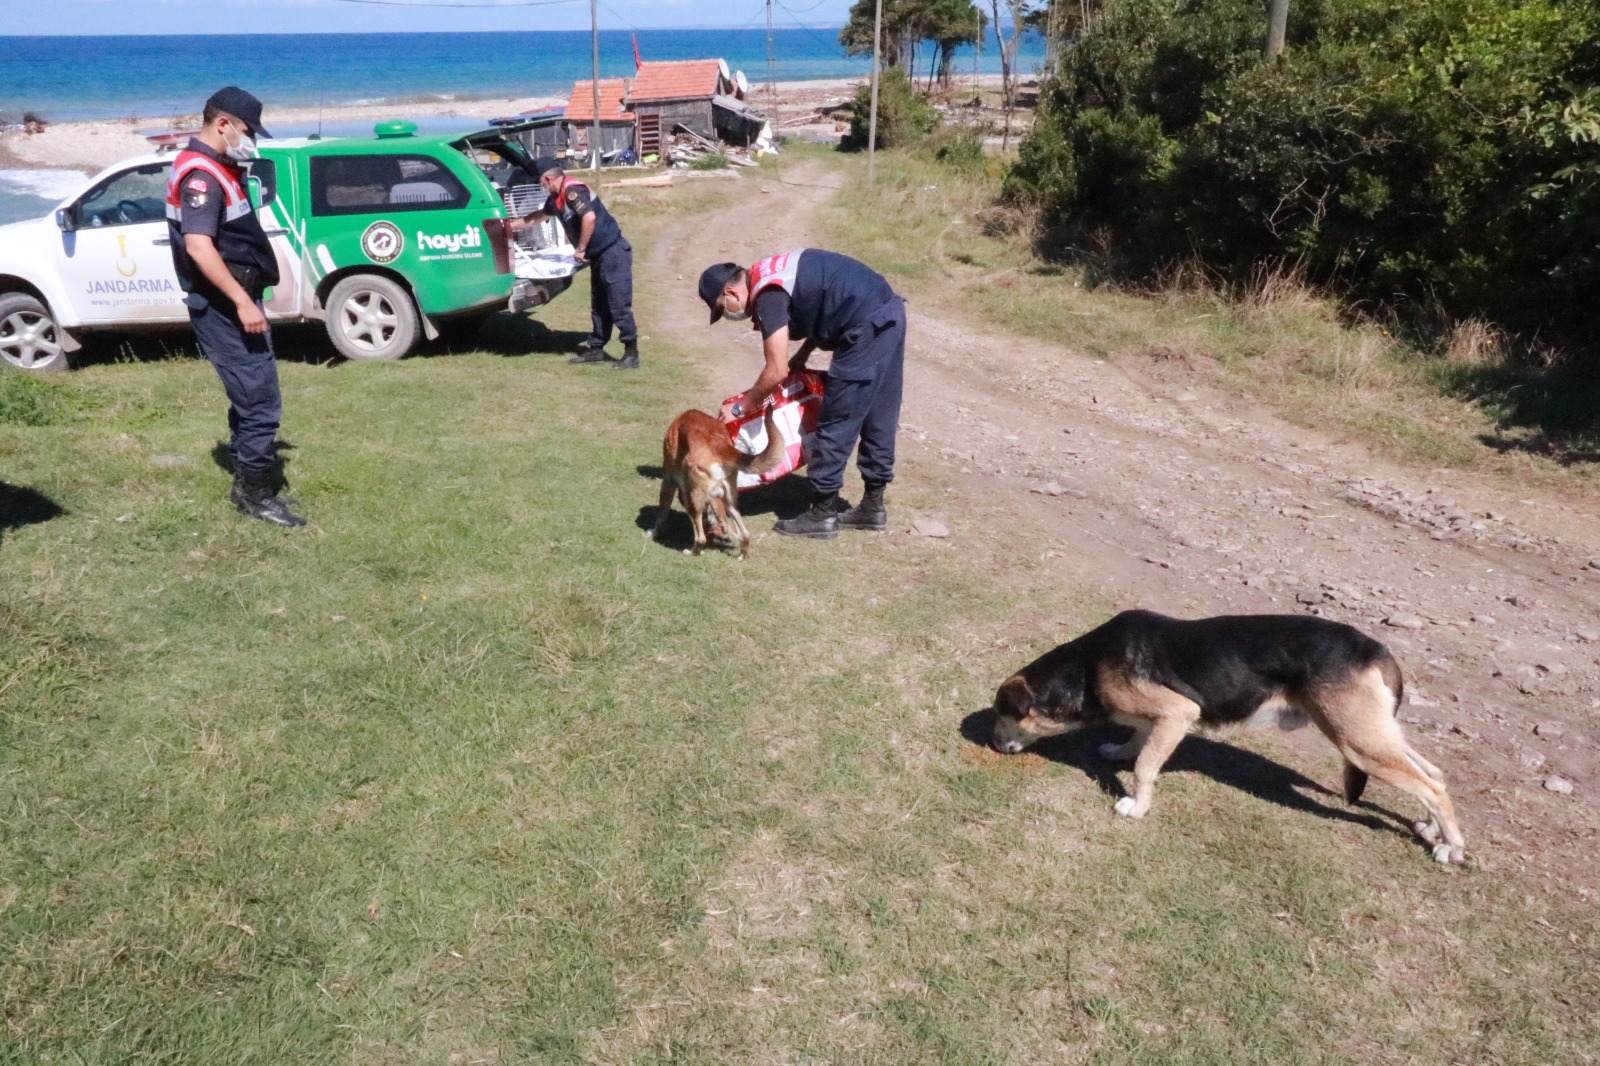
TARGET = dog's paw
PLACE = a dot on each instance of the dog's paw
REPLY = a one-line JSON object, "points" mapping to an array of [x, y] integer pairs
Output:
{"points": [[1128, 807], [1111, 752], [1428, 831], [1444, 852]]}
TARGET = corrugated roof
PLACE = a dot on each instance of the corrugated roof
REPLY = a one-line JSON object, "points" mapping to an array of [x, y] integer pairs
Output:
{"points": [[685, 79], [580, 105]]}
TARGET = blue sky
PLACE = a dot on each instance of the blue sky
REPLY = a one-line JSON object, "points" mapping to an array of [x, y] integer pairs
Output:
{"points": [[30, 17]]}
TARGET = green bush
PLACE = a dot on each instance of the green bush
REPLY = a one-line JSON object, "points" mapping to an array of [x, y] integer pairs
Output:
{"points": [[904, 115], [1445, 153], [959, 149]]}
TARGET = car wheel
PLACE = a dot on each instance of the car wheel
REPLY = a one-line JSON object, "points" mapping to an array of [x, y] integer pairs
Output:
{"points": [[371, 317], [29, 337]]}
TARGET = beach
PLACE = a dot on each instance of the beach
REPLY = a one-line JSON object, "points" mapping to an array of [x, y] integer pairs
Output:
{"points": [[88, 146]]}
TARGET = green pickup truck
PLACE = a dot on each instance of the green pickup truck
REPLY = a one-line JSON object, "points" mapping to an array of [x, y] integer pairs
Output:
{"points": [[385, 240]]}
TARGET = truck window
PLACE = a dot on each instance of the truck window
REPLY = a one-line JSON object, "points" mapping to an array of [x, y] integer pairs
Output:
{"points": [[126, 199], [370, 184]]}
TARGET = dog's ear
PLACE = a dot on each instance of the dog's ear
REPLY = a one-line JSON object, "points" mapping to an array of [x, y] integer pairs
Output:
{"points": [[1015, 698]]}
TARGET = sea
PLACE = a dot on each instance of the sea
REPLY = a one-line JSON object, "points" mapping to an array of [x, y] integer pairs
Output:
{"points": [[157, 77]]}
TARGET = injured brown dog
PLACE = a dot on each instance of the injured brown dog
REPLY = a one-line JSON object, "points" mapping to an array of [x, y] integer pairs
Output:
{"points": [[700, 465], [1163, 676]]}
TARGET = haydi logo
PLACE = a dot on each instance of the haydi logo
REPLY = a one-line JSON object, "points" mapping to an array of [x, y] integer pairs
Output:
{"points": [[470, 237]]}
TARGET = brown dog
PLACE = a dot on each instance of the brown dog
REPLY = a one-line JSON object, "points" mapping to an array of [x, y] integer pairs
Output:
{"points": [[1164, 677], [700, 465]]}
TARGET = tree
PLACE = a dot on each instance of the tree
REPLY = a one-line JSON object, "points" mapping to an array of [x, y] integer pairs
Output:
{"points": [[947, 24], [1019, 11]]}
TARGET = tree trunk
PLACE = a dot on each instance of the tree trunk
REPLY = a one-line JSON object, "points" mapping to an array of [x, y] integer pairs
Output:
{"points": [[1277, 28]]}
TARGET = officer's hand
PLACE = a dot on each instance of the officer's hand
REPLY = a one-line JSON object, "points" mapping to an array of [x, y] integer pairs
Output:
{"points": [[580, 255], [251, 319]]}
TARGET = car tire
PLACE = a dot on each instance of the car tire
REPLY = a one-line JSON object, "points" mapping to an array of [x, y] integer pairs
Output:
{"points": [[371, 317], [30, 340]]}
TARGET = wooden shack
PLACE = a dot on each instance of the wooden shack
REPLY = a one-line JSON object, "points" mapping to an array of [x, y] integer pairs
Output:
{"points": [[666, 95], [617, 129]]}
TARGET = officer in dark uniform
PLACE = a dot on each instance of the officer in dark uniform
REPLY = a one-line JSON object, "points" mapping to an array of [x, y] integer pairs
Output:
{"points": [[598, 241], [829, 301], [224, 263]]}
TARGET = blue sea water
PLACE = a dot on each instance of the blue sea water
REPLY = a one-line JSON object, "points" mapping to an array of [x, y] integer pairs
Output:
{"points": [[64, 78], [157, 77]]}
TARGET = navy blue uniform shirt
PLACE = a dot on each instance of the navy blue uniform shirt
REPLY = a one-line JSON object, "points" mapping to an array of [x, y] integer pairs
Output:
{"points": [[832, 295], [570, 207], [241, 241]]}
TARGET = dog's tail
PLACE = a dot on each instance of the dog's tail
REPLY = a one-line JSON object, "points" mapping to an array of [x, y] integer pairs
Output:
{"points": [[770, 456]]}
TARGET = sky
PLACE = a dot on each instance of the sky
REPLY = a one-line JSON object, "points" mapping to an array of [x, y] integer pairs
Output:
{"points": [[47, 17]]}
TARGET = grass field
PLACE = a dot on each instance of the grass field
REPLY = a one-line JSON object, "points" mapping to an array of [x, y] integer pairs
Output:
{"points": [[470, 772]]}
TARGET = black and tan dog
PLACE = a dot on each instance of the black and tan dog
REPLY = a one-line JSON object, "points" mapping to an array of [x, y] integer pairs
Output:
{"points": [[1163, 676], [700, 465]]}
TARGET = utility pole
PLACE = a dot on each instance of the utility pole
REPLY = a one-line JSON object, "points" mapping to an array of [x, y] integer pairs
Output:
{"points": [[872, 120], [594, 61], [1278, 28], [772, 75]]}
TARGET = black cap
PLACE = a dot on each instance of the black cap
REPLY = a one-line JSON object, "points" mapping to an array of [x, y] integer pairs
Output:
{"points": [[712, 281], [242, 106], [544, 165]]}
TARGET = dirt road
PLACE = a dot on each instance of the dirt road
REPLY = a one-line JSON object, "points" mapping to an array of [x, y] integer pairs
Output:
{"points": [[1143, 485]]}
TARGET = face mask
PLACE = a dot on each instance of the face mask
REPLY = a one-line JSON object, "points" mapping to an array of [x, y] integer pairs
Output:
{"points": [[736, 316], [241, 150]]}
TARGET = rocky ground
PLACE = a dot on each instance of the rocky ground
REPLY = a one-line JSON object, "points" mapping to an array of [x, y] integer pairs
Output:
{"points": [[1147, 484]]}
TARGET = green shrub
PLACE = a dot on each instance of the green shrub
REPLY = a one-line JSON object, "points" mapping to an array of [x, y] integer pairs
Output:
{"points": [[959, 149], [1441, 153], [904, 115]]}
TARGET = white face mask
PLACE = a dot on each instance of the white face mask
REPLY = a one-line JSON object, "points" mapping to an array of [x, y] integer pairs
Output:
{"points": [[241, 150], [736, 316]]}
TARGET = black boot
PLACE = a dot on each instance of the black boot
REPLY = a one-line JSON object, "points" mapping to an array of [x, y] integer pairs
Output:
{"points": [[630, 357], [592, 350], [254, 494], [820, 522], [869, 514]]}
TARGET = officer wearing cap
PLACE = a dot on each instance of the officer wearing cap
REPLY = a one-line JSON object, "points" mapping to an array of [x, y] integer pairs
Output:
{"points": [[829, 301], [597, 240], [224, 263]]}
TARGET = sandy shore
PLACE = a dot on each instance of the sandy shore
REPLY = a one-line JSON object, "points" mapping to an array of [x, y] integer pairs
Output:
{"points": [[89, 146]]}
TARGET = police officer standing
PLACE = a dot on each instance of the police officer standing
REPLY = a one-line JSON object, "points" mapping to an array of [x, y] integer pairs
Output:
{"points": [[224, 263], [597, 240], [829, 301]]}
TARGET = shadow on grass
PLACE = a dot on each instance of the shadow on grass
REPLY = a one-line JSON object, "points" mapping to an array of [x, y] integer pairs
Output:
{"points": [[21, 506], [513, 335], [299, 343], [1557, 410], [1237, 768], [786, 497]]}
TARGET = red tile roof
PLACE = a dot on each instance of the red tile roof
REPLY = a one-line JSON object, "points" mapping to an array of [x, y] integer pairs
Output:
{"points": [[580, 105], [686, 79]]}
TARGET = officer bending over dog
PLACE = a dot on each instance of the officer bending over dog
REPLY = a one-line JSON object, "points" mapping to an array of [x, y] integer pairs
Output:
{"points": [[224, 264], [597, 240], [829, 301]]}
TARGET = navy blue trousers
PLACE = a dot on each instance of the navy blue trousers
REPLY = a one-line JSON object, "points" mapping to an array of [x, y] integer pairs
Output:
{"points": [[249, 371], [611, 294], [862, 402]]}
